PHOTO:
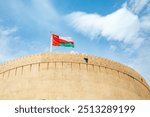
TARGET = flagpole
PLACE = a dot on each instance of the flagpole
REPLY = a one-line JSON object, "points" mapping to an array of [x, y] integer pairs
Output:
{"points": [[51, 45]]}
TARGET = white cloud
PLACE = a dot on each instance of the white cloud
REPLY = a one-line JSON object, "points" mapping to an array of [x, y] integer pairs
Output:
{"points": [[121, 25], [124, 25], [137, 6], [145, 22]]}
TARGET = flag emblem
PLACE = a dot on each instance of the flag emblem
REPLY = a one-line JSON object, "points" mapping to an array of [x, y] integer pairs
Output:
{"points": [[62, 41]]}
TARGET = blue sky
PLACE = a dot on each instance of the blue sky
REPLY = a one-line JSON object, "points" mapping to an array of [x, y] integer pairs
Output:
{"points": [[114, 29]]}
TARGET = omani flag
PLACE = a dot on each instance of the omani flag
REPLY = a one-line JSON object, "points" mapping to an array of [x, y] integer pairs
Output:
{"points": [[62, 41]]}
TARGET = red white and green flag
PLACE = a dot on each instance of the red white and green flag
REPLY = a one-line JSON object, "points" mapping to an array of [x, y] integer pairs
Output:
{"points": [[62, 41]]}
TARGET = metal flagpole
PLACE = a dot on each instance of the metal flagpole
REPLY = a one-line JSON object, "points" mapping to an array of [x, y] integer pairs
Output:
{"points": [[51, 45]]}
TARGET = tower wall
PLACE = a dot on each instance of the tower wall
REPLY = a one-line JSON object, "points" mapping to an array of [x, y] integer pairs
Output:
{"points": [[70, 76]]}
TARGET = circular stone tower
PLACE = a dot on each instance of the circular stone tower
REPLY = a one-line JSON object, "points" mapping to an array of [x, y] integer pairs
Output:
{"points": [[69, 76]]}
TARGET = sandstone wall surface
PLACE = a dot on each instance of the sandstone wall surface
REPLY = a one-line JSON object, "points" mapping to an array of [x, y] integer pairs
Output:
{"points": [[70, 76]]}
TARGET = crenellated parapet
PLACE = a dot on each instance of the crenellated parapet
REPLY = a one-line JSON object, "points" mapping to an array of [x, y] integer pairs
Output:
{"points": [[70, 76], [71, 58]]}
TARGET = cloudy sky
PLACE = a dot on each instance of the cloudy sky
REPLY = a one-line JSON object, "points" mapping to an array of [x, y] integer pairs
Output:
{"points": [[114, 29]]}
